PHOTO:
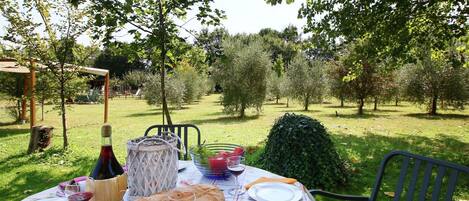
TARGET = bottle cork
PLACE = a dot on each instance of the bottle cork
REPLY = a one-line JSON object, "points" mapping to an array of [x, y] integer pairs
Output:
{"points": [[106, 130]]}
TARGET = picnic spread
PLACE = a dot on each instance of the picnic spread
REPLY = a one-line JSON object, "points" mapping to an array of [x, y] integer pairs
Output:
{"points": [[153, 172]]}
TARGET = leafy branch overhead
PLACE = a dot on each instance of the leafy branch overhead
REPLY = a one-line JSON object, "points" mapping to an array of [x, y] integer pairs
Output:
{"points": [[392, 26], [153, 24], [141, 18]]}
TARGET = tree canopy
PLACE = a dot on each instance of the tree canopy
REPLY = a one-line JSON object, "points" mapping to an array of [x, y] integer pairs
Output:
{"points": [[391, 26], [242, 73], [153, 26]]}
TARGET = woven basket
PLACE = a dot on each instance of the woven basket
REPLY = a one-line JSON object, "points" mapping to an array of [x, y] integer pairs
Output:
{"points": [[152, 164]]}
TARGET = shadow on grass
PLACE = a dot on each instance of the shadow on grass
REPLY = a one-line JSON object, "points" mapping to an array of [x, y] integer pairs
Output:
{"points": [[223, 120], [356, 116], [365, 153], [180, 108], [438, 116], [340, 107], [36, 178], [393, 105], [274, 103], [384, 110], [219, 113], [300, 111], [9, 123], [6, 132], [144, 114]]}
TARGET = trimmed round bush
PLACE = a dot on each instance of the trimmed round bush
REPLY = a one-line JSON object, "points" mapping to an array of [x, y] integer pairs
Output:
{"points": [[299, 147]]}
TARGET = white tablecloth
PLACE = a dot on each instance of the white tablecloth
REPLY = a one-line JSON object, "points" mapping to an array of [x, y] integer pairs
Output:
{"points": [[191, 175]]}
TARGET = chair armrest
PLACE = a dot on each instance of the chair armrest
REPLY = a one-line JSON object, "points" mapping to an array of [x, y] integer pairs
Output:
{"points": [[338, 196]]}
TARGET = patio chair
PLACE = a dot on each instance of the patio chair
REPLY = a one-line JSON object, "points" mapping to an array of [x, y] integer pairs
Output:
{"points": [[442, 168], [179, 129]]}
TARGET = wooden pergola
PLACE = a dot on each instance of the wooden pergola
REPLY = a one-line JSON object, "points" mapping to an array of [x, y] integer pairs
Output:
{"points": [[9, 65]]}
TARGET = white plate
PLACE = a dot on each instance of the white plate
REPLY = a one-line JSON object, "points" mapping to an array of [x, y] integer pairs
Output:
{"points": [[53, 199], [275, 191]]}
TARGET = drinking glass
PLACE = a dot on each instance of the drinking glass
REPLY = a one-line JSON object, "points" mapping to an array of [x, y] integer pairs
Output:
{"points": [[71, 189], [236, 166]]}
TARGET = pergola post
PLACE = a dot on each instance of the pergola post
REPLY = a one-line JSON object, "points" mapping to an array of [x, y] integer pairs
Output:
{"points": [[23, 99], [106, 97], [32, 102]]}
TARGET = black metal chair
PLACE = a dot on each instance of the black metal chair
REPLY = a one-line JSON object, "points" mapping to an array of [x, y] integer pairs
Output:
{"points": [[180, 130], [417, 161]]}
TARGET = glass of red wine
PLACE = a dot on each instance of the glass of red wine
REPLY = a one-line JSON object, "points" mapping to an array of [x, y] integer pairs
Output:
{"points": [[236, 166]]}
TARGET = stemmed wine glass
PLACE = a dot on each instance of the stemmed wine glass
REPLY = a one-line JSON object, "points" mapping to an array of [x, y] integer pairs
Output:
{"points": [[236, 166], [71, 189]]}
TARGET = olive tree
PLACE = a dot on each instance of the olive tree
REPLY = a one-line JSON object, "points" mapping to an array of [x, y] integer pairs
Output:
{"points": [[435, 79], [134, 79], [194, 83], [242, 73], [152, 90], [306, 80], [275, 79]]}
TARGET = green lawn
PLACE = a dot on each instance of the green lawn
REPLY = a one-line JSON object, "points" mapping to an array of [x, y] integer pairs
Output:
{"points": [[362, 139]]}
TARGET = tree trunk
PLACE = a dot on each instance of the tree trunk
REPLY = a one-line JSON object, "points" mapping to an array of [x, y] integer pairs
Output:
{"points": [[306, 102], [288, 102], [375, 104], [360, 106], [63, 111], [33, 139], [42, 109], [241, 111], [434, 105], [397, 101], [163, 67], [276, 101], [18, 108], [341, 101]]}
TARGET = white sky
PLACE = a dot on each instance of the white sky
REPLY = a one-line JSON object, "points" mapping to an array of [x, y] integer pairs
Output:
{"points": [[243, 16]]}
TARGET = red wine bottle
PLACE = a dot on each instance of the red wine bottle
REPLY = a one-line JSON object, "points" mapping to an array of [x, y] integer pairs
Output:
{"points": [[107, 166]]}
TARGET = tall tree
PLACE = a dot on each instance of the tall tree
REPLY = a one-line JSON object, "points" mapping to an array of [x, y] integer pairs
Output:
{"points": [[275, 79], [306, 80], [337, 86], [363, 73], [290, 34], [211, 42], [242, 73], [436, 80], [120, 58], [57, 49], [153, 27]]}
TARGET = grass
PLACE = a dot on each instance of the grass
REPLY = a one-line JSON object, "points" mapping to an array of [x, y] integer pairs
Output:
{"points": [[363, 140]]}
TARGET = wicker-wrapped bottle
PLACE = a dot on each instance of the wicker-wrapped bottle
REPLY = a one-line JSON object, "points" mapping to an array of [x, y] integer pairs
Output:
{"points": [[152, 164]]}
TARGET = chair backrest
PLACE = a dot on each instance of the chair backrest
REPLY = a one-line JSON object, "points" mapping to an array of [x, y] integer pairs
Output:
{"points": [[442, 168], [180, 130]]}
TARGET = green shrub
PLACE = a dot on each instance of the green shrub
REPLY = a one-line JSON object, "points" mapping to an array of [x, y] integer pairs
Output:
{"points": [[300, 147]]}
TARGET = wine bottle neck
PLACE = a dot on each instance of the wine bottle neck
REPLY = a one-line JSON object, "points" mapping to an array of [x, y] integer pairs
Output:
{"points": [[106, 141]]}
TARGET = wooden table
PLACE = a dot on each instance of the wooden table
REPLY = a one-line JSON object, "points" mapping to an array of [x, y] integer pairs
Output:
{"points": [[191, 175]]}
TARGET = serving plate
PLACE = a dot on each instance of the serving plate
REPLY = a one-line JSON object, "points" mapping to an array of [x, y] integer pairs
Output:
{"points": [[275, 191]]}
